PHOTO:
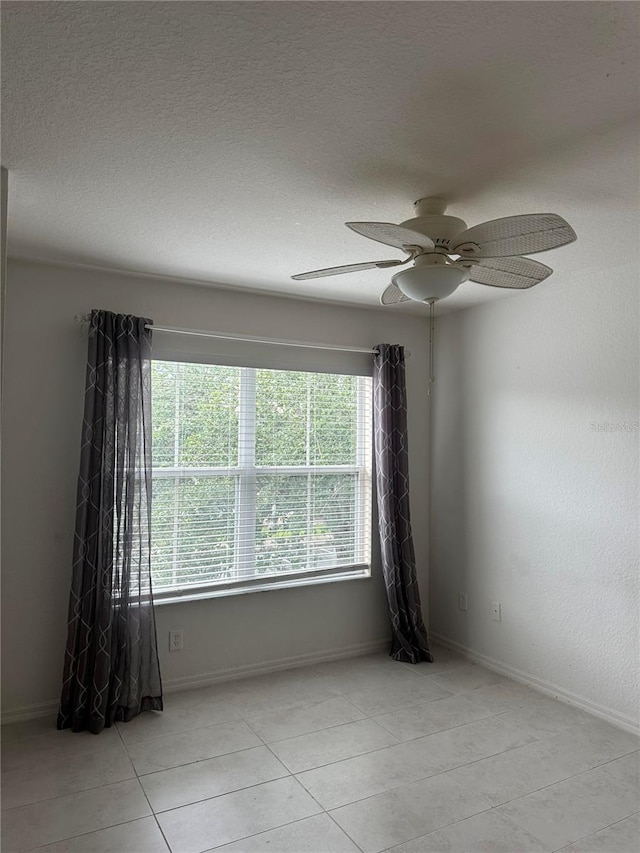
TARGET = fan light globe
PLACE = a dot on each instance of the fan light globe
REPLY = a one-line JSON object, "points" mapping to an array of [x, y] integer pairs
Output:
{"points": [[427, 283]]}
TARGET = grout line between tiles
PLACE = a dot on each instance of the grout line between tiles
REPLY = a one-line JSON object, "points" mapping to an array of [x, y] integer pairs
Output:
{"points": [[83, 834], [437, 829], [513, 822], [262, 832], [323, 810], [402, 743], [224, 722], [222, 794], [71, 794], [407, 707], [247, 722], [411, 740], [368, 715], [153, 814], [341, 828], [320, 806], [575, 776], [289, 773], [317, 731], [583, 837], [542, 788], [467, 764], [195, 761]]}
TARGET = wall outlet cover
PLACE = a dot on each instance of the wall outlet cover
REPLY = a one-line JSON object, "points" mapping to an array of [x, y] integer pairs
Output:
{"points": [[175, 641]]}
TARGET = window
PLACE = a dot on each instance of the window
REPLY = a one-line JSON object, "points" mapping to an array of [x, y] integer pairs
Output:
{"points": [[259, 477]]}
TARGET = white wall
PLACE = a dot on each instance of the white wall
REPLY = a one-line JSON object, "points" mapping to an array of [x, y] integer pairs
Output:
{"points": [[44, 382], [533, 505]]}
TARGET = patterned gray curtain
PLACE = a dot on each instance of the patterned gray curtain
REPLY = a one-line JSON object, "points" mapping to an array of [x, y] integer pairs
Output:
{"points": [[111, 669], [392, 481]]}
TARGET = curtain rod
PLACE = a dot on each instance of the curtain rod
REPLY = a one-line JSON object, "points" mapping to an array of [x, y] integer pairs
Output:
{"points": [[84, 318], [251, 339]]}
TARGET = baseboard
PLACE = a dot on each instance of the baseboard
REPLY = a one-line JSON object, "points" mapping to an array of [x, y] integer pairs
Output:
{"points": [[622, 721], [30, 712], [207, 679]]}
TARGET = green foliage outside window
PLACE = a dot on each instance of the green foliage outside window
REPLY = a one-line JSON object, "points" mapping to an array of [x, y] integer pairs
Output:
{"points": [[208, 526]]}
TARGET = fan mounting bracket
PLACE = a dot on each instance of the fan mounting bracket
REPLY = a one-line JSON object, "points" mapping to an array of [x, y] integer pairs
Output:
{"points": [[431, 205]]}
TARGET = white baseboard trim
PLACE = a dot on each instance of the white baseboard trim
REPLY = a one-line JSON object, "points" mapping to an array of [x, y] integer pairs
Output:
{"points": [[30, 712], [622, 721], [207, 679]]}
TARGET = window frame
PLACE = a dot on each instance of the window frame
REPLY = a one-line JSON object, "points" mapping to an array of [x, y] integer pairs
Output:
{"points": [[247, 473]]}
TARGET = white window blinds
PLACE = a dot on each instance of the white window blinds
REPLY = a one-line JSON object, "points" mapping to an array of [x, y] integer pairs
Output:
{"points": [[257, 474]]}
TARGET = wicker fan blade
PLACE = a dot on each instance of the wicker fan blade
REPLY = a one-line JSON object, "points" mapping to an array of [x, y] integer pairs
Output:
{"points": [[392, 295], [369, 265], [515, 273], [392, 235], [514, 235]]}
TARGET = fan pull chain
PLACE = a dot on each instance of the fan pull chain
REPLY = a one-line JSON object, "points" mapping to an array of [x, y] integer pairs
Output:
{"points": [[432, 344]]}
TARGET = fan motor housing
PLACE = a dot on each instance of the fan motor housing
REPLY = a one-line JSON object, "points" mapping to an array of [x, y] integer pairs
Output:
{"points": [[442, 229]]}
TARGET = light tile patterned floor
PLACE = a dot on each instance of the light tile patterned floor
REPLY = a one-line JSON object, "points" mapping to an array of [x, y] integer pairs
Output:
{"points": [[356, 755]]}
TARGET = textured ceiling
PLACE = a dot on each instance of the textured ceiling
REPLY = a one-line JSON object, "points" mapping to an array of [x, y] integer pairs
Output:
{"points": [[228, 142]]}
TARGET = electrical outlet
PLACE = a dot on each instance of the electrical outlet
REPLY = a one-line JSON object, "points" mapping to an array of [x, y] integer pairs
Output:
{"points": [[496, 611], [463, 601], [175, 641]]}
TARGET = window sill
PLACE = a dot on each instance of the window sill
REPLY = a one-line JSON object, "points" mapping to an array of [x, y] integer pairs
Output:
{"points": [[243, 587]]}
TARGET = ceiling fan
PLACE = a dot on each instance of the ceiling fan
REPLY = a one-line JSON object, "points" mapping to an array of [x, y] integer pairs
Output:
{"points": [[445, 253]]}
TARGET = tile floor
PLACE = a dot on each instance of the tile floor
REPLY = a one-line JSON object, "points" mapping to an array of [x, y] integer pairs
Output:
{"points": [[356, 755]]}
